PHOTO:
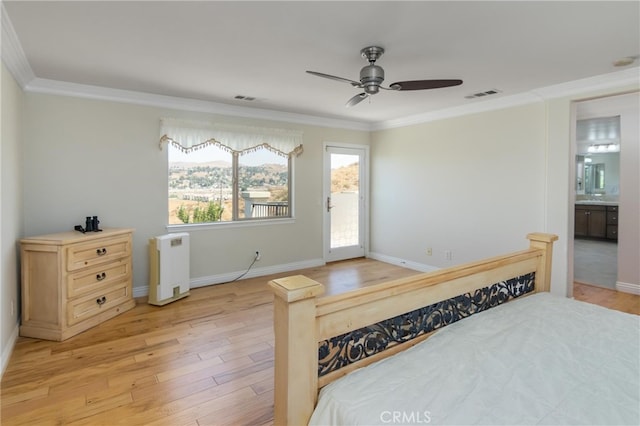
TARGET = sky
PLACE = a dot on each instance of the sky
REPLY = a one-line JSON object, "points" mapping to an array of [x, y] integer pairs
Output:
{"points": [[341, 160]]}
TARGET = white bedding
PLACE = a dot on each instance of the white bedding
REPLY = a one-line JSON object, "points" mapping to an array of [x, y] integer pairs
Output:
{"points": [[541, 359]]}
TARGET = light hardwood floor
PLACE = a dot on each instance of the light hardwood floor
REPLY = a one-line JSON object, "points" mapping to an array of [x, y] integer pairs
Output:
{"points": [[206, 359], [612, 299], [203, 360]]}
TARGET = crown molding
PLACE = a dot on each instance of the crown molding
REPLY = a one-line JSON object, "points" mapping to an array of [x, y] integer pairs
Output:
{"points": [[591, 84], [55, 87], [586, 85], [628, 77], [13, 56]]}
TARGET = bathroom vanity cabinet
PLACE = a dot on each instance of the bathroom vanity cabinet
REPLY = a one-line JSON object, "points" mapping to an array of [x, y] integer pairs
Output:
{"points": [[596, 221], [612, 223]]}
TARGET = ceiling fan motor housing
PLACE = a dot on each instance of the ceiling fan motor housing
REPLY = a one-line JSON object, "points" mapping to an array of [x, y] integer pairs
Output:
{"points": [[371, 77]]}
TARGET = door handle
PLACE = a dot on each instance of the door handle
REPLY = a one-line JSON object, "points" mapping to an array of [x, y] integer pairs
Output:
{"points": [[329, 206]]}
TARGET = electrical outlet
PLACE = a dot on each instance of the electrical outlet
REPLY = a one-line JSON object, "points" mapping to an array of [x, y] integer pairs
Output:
{"points": [[258, 255], [429, 251], [12, 308], [448, 255]]}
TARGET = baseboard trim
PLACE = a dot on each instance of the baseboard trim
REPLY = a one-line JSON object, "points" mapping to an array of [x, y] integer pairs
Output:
{"points": [[628, 288], [422, 267], [230, 276], [8, 350]]}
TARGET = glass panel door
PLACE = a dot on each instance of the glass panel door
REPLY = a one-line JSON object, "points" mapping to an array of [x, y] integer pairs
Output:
{"points": [[344, 203]]}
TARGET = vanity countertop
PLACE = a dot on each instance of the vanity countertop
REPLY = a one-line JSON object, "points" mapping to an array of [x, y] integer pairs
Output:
{"points": [[596, 203]]}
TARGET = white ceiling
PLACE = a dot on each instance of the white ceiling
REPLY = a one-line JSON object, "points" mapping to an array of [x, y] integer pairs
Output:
{"points": [[213, 51]]}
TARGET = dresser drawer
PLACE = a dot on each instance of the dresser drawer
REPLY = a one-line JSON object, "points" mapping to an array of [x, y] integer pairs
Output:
{"points": [[86, 307], [97, 252], [92, 279]]}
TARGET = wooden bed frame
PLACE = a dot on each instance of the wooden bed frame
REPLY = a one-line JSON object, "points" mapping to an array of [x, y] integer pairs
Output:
{"points": [[302, 319]]}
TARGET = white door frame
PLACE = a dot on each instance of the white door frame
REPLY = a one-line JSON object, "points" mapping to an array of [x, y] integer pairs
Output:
{"points": [[326, 193]]}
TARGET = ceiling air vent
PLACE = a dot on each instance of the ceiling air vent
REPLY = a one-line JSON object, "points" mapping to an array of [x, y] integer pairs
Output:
{"points": [[482, 94]]}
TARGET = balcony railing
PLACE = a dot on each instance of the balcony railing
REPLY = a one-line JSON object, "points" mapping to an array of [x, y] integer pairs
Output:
{"points": [[271, 209]]}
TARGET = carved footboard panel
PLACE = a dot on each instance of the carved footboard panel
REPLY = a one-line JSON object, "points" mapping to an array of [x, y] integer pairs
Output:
{"points": [[348, 348], [319, 339]]}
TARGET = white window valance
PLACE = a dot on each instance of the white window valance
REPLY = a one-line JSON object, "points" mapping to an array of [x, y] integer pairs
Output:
{"points": [[192, 135]]}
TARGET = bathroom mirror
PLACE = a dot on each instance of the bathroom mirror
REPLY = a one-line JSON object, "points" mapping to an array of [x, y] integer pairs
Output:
{"points": [[597, 157], [594, 178]]}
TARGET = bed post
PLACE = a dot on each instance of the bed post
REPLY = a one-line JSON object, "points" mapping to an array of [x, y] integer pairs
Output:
{"points": [[296, 352], [543, 271]]}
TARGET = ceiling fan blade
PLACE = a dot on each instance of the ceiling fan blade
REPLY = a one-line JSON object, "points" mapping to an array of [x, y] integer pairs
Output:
{"points": [[356, 99], [424, 84], [333, 77]]}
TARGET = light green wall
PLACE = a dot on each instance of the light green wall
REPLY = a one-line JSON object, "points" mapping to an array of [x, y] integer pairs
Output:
{"points": [[476, 184], [86, 157], [473, 185], [11, 211]]}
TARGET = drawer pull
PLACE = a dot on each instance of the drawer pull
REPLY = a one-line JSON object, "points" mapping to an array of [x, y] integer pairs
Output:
{"points": [[101, 301], [101, 251], [101, 276]]}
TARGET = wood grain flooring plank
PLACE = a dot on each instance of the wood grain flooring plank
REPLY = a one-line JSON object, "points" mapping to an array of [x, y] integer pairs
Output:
{"points": [[263, 386], [132, 380], [255, 410], [53, 413], [266, 354], [23, 396], [163, 392], [201, 365], [228, 404], [234, 351], [235, 373]]}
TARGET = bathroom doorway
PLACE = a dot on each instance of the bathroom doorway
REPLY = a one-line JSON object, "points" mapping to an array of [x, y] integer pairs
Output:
{"points": [[605, 196]]}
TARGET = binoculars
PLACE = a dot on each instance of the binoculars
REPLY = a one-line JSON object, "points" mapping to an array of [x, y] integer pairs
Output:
{"points": [[91, 225]]}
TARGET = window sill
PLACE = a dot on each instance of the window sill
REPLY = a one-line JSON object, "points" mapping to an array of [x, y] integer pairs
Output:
{"points": [[191, 227]]}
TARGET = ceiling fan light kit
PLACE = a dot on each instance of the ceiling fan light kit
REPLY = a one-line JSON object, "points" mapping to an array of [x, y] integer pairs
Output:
{"points": [[372, 76]]}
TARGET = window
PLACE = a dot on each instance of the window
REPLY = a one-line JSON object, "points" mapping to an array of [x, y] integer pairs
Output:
{"points": [[210, 181], [263, 184], [200, 185]]}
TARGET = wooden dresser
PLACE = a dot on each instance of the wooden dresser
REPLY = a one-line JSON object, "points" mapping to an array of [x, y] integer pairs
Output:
{"points": [[73, 281]]}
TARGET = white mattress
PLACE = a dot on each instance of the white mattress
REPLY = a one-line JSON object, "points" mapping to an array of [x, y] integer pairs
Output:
{"points": [[541, 359]]}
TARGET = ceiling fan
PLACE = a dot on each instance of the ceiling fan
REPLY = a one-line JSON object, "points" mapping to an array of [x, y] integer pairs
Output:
{"points": [[372, 76]]}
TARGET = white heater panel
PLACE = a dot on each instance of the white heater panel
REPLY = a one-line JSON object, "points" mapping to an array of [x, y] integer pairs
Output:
{"points": [[173, 252]]}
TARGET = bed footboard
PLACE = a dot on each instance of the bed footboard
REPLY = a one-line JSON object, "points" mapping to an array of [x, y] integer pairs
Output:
{"points": [[319, 339]]}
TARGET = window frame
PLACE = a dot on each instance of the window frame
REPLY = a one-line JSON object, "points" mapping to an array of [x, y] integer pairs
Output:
{"points": [[236, 221]]}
